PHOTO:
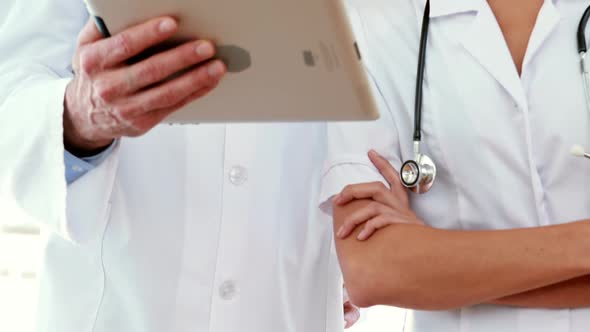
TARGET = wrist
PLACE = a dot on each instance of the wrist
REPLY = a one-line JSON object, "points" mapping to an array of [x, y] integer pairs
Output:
{"points": [[579, 234], [82, 149], [75, 142], [586, 244]]}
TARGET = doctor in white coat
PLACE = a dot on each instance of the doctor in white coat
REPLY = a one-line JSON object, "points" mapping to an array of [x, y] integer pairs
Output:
{"points": [[500, 242], [183, 228]]}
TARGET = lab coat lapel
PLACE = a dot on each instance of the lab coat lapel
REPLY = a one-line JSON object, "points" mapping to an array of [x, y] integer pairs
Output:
{"points": [[485, 42], [547, 21], [441, 8]]}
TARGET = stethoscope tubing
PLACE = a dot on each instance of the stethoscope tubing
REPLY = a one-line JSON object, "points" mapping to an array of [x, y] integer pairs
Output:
{"points": [[418, 103], [421, 161], [583, 50]]}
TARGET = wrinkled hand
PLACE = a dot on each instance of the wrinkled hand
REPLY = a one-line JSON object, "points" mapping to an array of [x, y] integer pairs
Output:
{"points": [[108, 99], [390, 204], [352, 313]]}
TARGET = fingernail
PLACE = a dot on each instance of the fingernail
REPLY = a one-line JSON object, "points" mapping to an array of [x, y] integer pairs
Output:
{"points": [[373, 153], [205, 49], [216, 70], [340, 231], [167, 25]]}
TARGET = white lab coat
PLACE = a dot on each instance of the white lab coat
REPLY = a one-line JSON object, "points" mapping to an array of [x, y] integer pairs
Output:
{"points": [[189, 228], [501, 142]]}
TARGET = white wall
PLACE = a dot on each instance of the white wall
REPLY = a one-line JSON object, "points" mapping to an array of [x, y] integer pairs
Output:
{"points": [[4, 6]]}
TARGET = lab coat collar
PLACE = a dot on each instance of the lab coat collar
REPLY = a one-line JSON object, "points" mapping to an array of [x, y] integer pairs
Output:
{"points": [[482, 38], [485, 41], [439, 8]]}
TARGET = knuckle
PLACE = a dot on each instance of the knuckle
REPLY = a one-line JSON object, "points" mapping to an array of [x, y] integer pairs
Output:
{"points": [[370, 227], [161, 99], [169, 98], [371, 223], [186, 54], [202, 79], [381, 219], [117, 116], [119, 112], [379, 196], [375, 207], [103, 119], [380, 186], [87, 60], [104, 91], [150, 71], [130, 114], [122, 44], [347, 190]]}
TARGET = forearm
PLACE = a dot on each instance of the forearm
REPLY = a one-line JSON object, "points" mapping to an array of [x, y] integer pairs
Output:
{"points": [[426, 268], [573, 293]]}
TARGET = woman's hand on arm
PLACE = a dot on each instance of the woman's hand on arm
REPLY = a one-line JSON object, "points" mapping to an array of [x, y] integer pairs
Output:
{"points": [[413, 266], [390, 205]]}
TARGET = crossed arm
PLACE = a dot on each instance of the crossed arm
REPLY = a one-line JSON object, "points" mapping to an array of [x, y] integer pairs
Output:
{"points": [[413, 266]]}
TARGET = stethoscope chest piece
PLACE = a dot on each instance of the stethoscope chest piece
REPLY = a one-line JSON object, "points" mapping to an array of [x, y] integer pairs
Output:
{"points": [[418, 175]]}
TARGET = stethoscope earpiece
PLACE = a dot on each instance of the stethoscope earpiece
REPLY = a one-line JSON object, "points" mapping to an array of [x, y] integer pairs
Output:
{"points": [[578, 151]]}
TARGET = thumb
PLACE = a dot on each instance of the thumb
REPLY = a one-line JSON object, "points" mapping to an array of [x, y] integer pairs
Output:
{"points": [[89, 33]]}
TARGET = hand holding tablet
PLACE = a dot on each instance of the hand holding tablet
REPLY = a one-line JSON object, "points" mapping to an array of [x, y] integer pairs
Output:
{"points": [[109, 98], [293, 60]]}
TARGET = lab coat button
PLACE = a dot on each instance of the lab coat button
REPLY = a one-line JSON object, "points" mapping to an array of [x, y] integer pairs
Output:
{"points": [[227, 290], [238, 175]]}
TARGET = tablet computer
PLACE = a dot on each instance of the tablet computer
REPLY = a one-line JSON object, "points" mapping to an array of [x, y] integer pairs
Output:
{"points": [[290, 60]]}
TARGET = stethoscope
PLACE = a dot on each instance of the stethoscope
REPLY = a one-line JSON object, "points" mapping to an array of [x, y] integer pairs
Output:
{"points": [[418, 174]]}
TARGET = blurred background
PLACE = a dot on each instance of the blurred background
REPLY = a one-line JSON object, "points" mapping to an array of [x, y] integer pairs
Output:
{"points": [[4, 5], [20, 260]]}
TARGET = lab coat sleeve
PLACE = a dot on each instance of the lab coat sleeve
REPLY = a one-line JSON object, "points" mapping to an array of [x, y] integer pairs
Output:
{"points": [[37, 41], [347, 160]]}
